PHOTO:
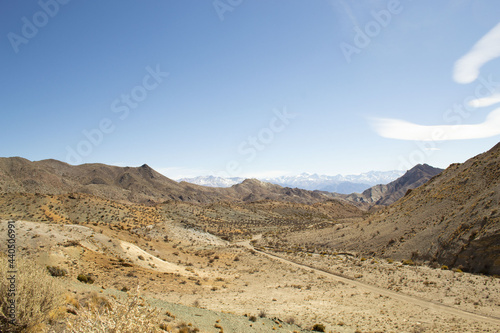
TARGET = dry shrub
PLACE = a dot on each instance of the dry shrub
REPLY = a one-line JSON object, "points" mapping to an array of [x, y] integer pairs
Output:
{"points": [[37, 295], [57, 271], [318, 328], [97, 302], [104, 316], [186, 328]]}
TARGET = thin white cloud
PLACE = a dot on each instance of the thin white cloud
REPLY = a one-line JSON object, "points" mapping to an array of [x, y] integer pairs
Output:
{"points": [[466, 69], [485, 101], [403, 130], [345, 6]]}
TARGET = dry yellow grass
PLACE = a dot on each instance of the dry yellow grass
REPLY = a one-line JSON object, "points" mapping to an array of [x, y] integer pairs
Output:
{"points": [[37, 295], [109, 315]]}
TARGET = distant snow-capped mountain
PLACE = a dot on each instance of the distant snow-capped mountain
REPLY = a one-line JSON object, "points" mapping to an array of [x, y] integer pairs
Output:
{"points": [[213, 181], [339, 184]]}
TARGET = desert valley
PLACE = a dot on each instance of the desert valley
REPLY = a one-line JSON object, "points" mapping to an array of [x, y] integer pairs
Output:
{"points": [[128, 246]]}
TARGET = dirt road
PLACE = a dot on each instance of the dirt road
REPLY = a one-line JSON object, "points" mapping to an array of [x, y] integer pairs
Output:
{"points": [[424, 303]]}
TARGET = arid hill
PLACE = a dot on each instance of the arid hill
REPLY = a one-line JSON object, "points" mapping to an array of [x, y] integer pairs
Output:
{"points": [[453, 220], [134, 184], [384, 195], [194, 260]]}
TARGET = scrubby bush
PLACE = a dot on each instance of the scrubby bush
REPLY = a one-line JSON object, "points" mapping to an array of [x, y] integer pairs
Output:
{"points": [[37, 295], [57, 271], [132, 315], [318, 328], [186, 328], [85, 278], [408, 262]]}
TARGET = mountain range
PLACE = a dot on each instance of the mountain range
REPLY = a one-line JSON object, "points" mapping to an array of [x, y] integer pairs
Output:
{"points": [[452, 219], [134, 184], [339, 183], [386, 194], [145, 185]]}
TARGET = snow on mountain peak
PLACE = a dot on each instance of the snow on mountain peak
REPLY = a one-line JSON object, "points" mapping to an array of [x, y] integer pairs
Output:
{"points": [[340, 184]]}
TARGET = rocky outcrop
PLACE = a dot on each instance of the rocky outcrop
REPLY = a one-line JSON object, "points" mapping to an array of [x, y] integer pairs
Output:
{"points": [[384, 195]]}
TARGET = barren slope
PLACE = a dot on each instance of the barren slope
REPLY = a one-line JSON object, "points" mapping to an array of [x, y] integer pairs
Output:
{"points": [[133, 184], [383, 195], [453, 219]]}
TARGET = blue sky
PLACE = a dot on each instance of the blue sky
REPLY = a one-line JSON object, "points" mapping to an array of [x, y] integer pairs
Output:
{"points": [[250, 87]]}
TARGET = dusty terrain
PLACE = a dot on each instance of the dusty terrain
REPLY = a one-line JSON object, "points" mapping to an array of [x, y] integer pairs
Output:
{"points": [[194, 271], [268, 258], [452, 220]]}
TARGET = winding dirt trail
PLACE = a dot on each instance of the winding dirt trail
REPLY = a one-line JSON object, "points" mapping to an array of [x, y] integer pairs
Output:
{"points": [[421, 302]]}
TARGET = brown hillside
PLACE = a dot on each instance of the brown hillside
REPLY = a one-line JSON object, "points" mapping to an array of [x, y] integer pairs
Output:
{"points": [[387, 194], [453, 219], [134, 184]]}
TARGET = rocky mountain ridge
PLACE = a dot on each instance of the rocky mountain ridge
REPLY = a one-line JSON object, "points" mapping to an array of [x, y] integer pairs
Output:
{"points": [[387, 194], [312, 182], [143, 184], [453, 219], [134, 184]]}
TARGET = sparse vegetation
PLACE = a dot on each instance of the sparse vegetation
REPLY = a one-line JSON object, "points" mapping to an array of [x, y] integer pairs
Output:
{"points": [[318, 328], [85, 278], [57, 271], [37, 295], [132, 315], [321, 236], [408, 262]]}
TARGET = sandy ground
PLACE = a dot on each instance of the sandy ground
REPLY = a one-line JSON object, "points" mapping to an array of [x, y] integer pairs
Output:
{"points": [[203, 273]]}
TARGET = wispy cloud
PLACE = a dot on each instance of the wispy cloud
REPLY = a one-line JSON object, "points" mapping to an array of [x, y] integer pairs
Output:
{"points": [[403, 130], [345, 6], [466, 69], [485, 101]]}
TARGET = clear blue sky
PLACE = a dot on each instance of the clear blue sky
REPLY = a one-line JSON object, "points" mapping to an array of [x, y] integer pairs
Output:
{"points": [[254, 87]]}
